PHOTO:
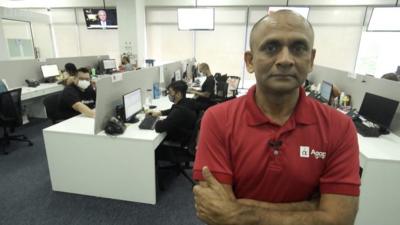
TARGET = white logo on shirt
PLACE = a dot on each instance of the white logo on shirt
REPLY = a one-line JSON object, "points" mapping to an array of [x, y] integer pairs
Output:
{"points": [[305, 153], [318, 154]]}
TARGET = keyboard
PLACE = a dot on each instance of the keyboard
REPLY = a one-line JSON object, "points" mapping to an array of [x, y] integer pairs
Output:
{"points": [[366, 131], [317, 97], [148, 123]]}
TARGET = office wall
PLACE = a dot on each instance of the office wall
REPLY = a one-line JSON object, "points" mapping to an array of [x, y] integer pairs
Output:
{"points": [[357, 88], [72, 38], [43, 40], [39, 24], [337, 35], [223, 48], [164, 41]]}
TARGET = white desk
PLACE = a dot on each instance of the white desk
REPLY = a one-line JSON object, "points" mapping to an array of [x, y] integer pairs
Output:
{"points": [[380, 182], [41, 90], [32, 98], [118, 167]]}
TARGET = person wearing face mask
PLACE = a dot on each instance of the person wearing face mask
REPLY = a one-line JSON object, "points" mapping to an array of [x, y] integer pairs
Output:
{"points": [[181, 117], [79, 97], [204, 96]]}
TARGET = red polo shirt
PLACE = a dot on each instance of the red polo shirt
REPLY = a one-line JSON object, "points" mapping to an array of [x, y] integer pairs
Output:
{"points": [[318, 151]]}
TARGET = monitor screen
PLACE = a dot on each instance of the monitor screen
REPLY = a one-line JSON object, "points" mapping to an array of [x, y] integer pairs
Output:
{"points": [[196, 19], [384, 19], [378, 109], [101, 18], [326, 91], [109, 64], [50, 71], [132, 103]]}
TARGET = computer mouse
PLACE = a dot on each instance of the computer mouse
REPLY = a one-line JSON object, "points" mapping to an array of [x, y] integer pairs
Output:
{"points": [[356, 119]]}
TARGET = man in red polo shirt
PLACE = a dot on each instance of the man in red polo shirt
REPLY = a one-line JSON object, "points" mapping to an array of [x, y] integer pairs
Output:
{"points": [[276, 156]]}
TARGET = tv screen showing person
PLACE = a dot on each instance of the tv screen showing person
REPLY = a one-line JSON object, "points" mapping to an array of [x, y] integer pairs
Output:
{"points": [[101, 18]]}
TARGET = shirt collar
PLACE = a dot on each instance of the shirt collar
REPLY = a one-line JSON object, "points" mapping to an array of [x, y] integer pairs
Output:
{"points": [[303, 113]]}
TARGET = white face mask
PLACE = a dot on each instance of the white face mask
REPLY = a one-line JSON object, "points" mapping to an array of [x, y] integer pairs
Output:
{"points": [[83, 84]]}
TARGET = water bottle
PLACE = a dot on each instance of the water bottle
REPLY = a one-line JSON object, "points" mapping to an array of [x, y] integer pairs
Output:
{"points": [[149, 97]]}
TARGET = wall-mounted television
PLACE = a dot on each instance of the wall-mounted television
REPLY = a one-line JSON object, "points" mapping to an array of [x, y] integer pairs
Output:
{"points": [[196, 18], [101, 18]]}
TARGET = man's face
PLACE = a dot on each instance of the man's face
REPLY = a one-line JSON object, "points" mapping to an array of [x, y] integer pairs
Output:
{"points": [[282, 54], [82, 76], [102, 15]]}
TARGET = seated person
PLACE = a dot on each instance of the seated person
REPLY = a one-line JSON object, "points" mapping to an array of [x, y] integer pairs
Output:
{"points": [[69, 73], [78, 97], [207, 89], [126, 64], [181, 118]]}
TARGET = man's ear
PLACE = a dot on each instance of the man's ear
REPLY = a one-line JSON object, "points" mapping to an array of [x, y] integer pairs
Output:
{"points": [[313, 52], [248, 58]]}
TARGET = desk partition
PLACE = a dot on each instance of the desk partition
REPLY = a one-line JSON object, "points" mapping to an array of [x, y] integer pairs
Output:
{"points": [[109, 92], [83, 61], [17, 71], [358, 86]]}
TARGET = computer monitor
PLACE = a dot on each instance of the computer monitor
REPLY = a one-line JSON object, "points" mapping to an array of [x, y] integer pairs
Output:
{"points": [[326, 91], [132, 105], [378, 109], [109, 64], [50, 71]]}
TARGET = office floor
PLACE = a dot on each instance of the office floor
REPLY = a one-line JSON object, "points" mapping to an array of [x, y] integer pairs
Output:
{"points": [[26, 196]]}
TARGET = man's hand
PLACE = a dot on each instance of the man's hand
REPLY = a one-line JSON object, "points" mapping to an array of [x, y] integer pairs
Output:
{"points": [[214, 204], [154, 113]]}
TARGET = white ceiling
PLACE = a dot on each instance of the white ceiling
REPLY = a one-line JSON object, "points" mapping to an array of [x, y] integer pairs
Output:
{"points": [[55, 3], [99, 3]]}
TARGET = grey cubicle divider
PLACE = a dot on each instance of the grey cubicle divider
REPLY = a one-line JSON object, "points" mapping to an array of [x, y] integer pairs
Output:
{"points": [[109, 94], [17, 71], [169, 70], [357, 88], [81, 61]]}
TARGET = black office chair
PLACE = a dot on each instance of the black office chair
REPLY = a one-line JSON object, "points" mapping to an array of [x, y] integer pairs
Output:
{"points": [[221, 92], [51, 103], [180, 155], [233, 83], [11, 117]]}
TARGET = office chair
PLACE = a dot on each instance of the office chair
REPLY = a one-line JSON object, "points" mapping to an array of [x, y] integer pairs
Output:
{"points": [[221, 91], [11, 117], [233, 82], [180, 155], [51, 103]]}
